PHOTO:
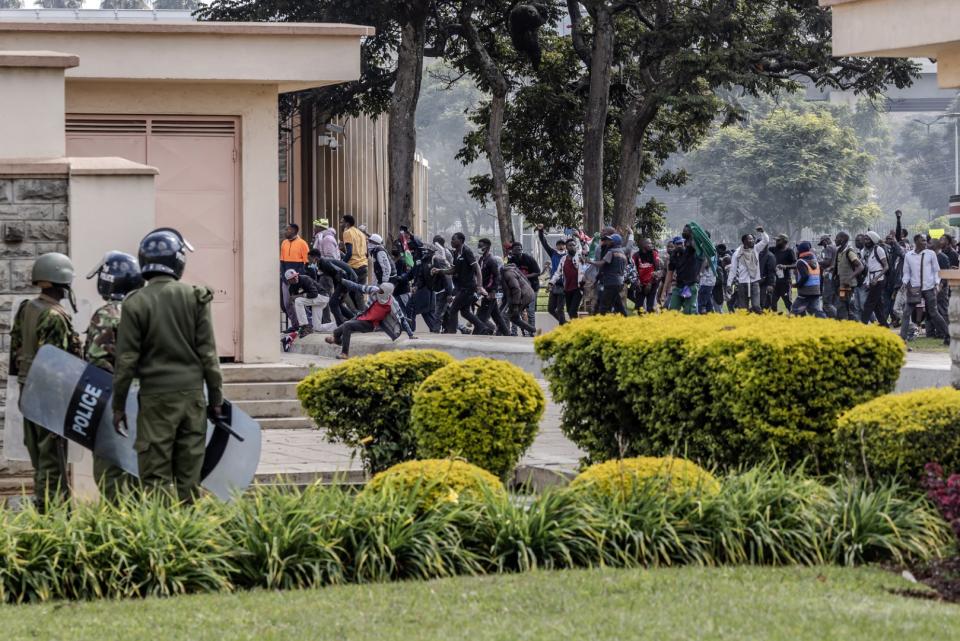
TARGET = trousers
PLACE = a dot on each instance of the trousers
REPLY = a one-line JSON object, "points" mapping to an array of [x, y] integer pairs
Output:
{"points": [[48, 456], [934, 319], [171, 440], [555, 305], [678, 302], [341, 335], [318, 304], [748, 296]]}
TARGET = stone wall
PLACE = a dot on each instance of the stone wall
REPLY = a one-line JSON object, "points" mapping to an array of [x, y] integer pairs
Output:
{"points": [[33, 221]]}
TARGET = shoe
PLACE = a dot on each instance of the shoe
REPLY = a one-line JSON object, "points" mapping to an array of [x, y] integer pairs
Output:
{"points": [[329, 340], [342, 356], [306, 330]]}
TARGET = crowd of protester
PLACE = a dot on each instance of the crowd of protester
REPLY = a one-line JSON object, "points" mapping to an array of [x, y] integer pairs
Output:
{"points": [[361, 283]]}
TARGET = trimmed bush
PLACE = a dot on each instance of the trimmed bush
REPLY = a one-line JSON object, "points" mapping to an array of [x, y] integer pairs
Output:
{"points": [[625, 477], [484, 410], [365, 403], [897, 434], [436, 480], [720, 389]]}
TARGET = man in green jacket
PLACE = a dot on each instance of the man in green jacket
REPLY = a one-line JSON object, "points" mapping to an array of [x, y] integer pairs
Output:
{"points": [[44, 321], [165, 339]]}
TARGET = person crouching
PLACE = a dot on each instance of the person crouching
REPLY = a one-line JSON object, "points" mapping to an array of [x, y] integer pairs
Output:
{"points": [[383, 312]]}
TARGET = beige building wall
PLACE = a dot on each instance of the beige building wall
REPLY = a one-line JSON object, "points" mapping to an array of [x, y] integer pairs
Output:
{"points": [[31, 101], [102, 189], [900, 29], [256, 106]]}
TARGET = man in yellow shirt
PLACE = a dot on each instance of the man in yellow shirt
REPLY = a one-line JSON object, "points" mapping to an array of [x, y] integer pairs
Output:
{"points": [[355, 245], [293, 255]]}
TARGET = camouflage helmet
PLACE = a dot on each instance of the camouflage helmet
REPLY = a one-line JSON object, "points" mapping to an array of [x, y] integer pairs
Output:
{"points": [[53, 268]]}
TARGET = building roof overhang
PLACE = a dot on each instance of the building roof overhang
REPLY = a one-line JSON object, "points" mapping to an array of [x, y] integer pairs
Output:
{"points": [[291, 56]]}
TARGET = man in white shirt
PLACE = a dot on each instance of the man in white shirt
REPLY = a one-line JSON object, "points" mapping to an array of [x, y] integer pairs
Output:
{"points": [[921, 273], [876, 261], [745, 272]]}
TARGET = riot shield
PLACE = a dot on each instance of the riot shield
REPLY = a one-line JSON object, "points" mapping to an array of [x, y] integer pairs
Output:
{"points": [[72, 398]]}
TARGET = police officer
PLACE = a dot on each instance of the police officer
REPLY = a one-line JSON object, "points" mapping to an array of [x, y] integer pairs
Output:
{"points": [[44, 321], [165, 339], [117, 274]]}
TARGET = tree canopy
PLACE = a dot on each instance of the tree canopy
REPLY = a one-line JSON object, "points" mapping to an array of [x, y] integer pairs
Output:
{"points": [[788, 171], [574, 124]]}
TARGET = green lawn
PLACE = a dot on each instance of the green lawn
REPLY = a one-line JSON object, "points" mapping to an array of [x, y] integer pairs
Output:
{"points": [[742, 604]]}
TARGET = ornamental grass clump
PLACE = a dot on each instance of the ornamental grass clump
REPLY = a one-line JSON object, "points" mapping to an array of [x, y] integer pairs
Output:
{"points": [[483, 410], [898, 434], [723, 389], [287, 538], [622, 477], [281, 538], [365, 403]]}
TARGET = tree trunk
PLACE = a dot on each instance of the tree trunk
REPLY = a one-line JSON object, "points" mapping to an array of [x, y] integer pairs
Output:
{"points": [[487, 69], [498, 169], [402, 139], [633, 130], [595, 118]]}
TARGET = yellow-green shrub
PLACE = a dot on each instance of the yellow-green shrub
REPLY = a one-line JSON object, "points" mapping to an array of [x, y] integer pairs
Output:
{"points": [[898, 434], [365, 402], [626, 476], [436, 481], [484, 410], [726, 389]]}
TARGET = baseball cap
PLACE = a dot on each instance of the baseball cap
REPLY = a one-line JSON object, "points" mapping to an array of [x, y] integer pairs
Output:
{"points": [[290, 273]]}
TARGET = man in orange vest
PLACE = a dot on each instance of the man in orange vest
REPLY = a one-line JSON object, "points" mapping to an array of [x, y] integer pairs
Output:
{"points": [[809, 283], [293, 255]]}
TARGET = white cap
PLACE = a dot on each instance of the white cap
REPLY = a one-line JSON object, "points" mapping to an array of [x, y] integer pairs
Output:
{"points": [[290, 273], [376, 239]]}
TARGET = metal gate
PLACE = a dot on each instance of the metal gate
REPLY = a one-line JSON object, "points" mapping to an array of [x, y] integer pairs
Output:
{"points": [[197, 193]]}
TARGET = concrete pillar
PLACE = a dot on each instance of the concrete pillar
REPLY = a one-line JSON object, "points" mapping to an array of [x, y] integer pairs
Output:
{"points": [[32, 103]]}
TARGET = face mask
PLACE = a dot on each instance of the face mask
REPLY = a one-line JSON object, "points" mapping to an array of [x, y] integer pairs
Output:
{"points": [[571, 252]]}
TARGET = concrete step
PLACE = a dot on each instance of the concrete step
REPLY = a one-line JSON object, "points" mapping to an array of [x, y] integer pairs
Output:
{"points": [[260, 391], [293, 423], [272, 373], [271, 409]]}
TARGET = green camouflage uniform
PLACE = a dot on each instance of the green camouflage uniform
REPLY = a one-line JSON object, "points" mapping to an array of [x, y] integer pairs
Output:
{"points": [[100, 350], [165, 339], [42, 321]]}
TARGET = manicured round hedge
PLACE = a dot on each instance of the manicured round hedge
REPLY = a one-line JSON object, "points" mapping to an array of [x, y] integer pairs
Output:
{"points": [[440, 480], [484, 410], [897, 434], [624, 477], [723, 389], [365, 402]]}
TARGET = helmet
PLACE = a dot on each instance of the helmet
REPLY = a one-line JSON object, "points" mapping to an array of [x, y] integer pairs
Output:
{"points": [[162, 252], [53, 268], [119, 274], [376, 239]]}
